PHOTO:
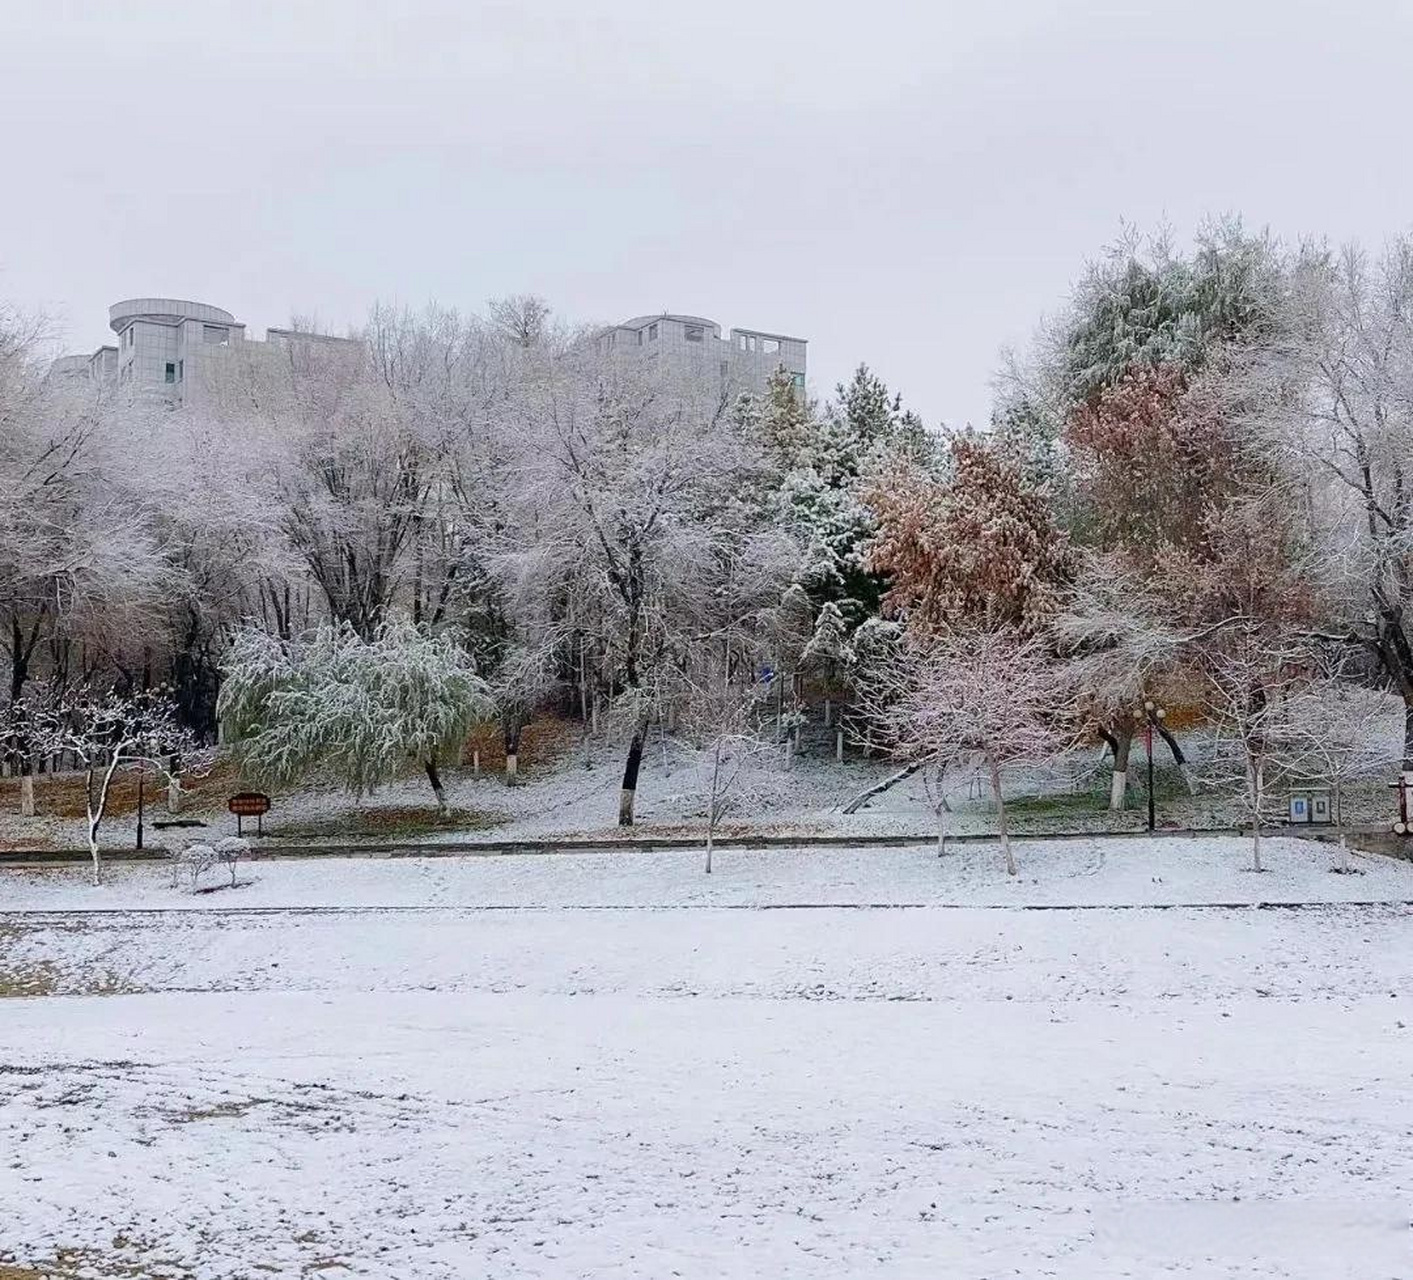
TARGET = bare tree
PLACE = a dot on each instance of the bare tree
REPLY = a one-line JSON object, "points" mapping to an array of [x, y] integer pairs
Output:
{"points": [[1336, 732], [1333, 393], [106, 730], [986, 697], [1253, 676], [626, 481], [721, 719], [1122, 650]]}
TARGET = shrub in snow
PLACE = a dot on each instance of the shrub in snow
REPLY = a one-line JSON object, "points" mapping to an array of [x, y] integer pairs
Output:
{"points": [[230, 850], [195, 859]]}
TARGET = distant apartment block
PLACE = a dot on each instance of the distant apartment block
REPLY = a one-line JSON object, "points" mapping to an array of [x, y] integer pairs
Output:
{"points": [[166, 345], [743, 359]]}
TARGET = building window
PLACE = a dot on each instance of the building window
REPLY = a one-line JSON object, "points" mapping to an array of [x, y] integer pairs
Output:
{"points": [[640, 337], [741, 341], [181, 370], [171, 372], [799, 380], [652, 333], [770, 345], [214, 335], [695, 333]]}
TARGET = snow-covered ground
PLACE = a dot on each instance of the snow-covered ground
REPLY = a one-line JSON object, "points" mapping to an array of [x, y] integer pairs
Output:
{"points": [[1098, 871], [577, 795], [367, 1075]]}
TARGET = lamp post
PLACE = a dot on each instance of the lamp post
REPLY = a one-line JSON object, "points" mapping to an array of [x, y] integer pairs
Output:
{"points": [[1153, 715]]}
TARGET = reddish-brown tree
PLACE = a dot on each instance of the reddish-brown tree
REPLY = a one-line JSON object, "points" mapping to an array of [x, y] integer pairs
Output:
{"points": [[979, 548], [1154, 457]]}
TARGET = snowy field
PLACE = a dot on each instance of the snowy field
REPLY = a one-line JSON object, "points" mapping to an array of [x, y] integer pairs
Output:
{"points": [[813, 1064]]}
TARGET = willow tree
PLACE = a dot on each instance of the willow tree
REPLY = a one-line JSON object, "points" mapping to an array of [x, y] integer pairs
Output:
{"points": [[358, 709]]}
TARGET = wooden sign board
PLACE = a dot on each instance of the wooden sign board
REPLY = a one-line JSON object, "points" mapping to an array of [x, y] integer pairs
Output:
{"points": [[248, 804]]}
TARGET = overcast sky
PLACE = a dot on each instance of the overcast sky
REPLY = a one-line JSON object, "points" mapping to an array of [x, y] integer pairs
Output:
{"points": [[910, 184]]}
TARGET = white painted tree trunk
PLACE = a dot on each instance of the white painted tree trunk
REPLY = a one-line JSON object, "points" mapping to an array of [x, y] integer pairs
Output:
{"points": [[27, 796], [941, 830], [174, 787], [97, 806], [839, 744], [476, 761], [512, 766], [1118, 787]]}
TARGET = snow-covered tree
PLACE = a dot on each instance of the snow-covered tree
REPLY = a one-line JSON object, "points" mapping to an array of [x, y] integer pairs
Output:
{"points": [[1332, 393], [1151, 460], [721, 719], [990, 698], [106, 730], [357, 708], [977, 549], [1256, 593], [1122, 648], [1336, 732], [627, 477]]}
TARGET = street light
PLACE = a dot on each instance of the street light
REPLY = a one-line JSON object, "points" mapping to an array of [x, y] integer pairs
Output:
{"points": [[1153, 715]]}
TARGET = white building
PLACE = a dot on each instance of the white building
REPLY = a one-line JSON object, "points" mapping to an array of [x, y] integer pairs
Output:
{"points": [[165, 345], [744, 359]]}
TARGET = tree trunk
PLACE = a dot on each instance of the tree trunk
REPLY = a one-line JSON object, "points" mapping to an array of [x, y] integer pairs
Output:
{"points": [[476, 761], [878, 788], [941, 829], [1001, 816], [1257, 790], [839, 744], [1118, 787], [96, 808], [627, 797], [174, 787], [435, 779], [27, 794], [510, 737], [711, 803], [1342, 857], [1179, 758]]}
